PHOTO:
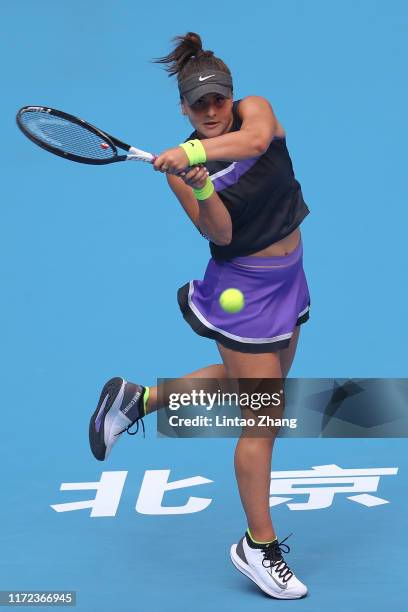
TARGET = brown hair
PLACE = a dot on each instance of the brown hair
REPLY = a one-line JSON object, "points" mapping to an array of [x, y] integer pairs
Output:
{"points": [[188, 57]]}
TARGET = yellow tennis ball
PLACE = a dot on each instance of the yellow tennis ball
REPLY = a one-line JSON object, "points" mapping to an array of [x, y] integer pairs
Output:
{"points": [[232, 300]]}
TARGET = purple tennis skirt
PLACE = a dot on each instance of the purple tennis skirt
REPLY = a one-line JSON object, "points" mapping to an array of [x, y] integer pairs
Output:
{"points": [[276, 301]]}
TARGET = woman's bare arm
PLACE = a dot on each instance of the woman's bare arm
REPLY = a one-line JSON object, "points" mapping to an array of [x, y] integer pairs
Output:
{"points": [[259, 126], [211, 216]]}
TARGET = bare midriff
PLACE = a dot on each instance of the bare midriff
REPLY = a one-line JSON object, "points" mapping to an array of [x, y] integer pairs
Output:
{"points": [[282, 247]]}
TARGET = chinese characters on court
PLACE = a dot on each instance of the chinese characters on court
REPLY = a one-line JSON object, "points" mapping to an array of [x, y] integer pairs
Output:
{"points": [[316, 488]]}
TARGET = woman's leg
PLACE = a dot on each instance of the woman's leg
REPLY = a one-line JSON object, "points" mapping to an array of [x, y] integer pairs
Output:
{"points": [[287, 355], [253, 455], [157, 399], [218, 371]]}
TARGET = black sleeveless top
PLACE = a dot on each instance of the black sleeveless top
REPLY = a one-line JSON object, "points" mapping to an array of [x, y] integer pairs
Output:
{"points": [[261, 194]]}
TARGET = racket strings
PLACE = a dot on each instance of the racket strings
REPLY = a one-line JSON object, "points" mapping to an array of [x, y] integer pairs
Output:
{"points": [[66, 136]]}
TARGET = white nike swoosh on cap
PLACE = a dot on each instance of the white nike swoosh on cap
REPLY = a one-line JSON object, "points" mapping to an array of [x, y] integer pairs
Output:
{"points": [[200, 78]]}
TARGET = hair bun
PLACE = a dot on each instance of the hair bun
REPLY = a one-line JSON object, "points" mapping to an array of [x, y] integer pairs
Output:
{"points": [[195, 39], [203, 53], [190, 47]]}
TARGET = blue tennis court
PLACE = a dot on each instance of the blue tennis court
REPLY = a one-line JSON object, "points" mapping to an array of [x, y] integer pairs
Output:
{"points": [[91, 259]]}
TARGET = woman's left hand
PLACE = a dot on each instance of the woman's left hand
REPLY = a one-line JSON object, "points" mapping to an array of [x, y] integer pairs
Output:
{"points": [[195, 177], [172, 161]]}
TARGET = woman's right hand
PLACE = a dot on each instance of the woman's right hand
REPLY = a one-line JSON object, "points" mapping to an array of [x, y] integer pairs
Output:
{"points": [[195, 177]]}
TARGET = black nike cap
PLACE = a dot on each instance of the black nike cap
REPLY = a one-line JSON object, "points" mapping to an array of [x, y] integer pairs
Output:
{"points": [[211, 81]]}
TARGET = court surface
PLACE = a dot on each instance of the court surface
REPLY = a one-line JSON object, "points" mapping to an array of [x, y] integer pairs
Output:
{"points": [[91, 259]]}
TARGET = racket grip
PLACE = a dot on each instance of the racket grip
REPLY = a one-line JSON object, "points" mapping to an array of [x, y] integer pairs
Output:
{"points": [[154, 158]]}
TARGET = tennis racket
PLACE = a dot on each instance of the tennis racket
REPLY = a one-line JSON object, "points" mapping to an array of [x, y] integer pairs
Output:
{"points": [[73, 138]]}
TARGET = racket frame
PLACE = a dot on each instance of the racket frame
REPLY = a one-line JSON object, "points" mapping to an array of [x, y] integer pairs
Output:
{"points": [[133, 152]]}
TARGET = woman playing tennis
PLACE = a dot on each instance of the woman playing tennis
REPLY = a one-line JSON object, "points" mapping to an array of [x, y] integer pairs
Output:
{"points": [[234, 178]]}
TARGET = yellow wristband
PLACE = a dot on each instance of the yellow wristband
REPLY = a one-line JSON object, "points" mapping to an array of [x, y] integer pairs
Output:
{"points": [[206, 191], [195, 152]]}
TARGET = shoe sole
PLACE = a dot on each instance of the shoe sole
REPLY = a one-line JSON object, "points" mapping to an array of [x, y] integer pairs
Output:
{"points": [[114, 388], [244, 569]]}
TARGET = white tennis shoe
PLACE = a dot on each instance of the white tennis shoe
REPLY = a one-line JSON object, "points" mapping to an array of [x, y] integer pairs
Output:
{"points": [[264, 564]]}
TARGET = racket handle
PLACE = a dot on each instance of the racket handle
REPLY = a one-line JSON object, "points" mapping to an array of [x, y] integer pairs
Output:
{"points": [[139, 155]]}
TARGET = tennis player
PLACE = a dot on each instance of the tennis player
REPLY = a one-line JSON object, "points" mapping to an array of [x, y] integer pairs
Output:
{"points": [[234, 178]]}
